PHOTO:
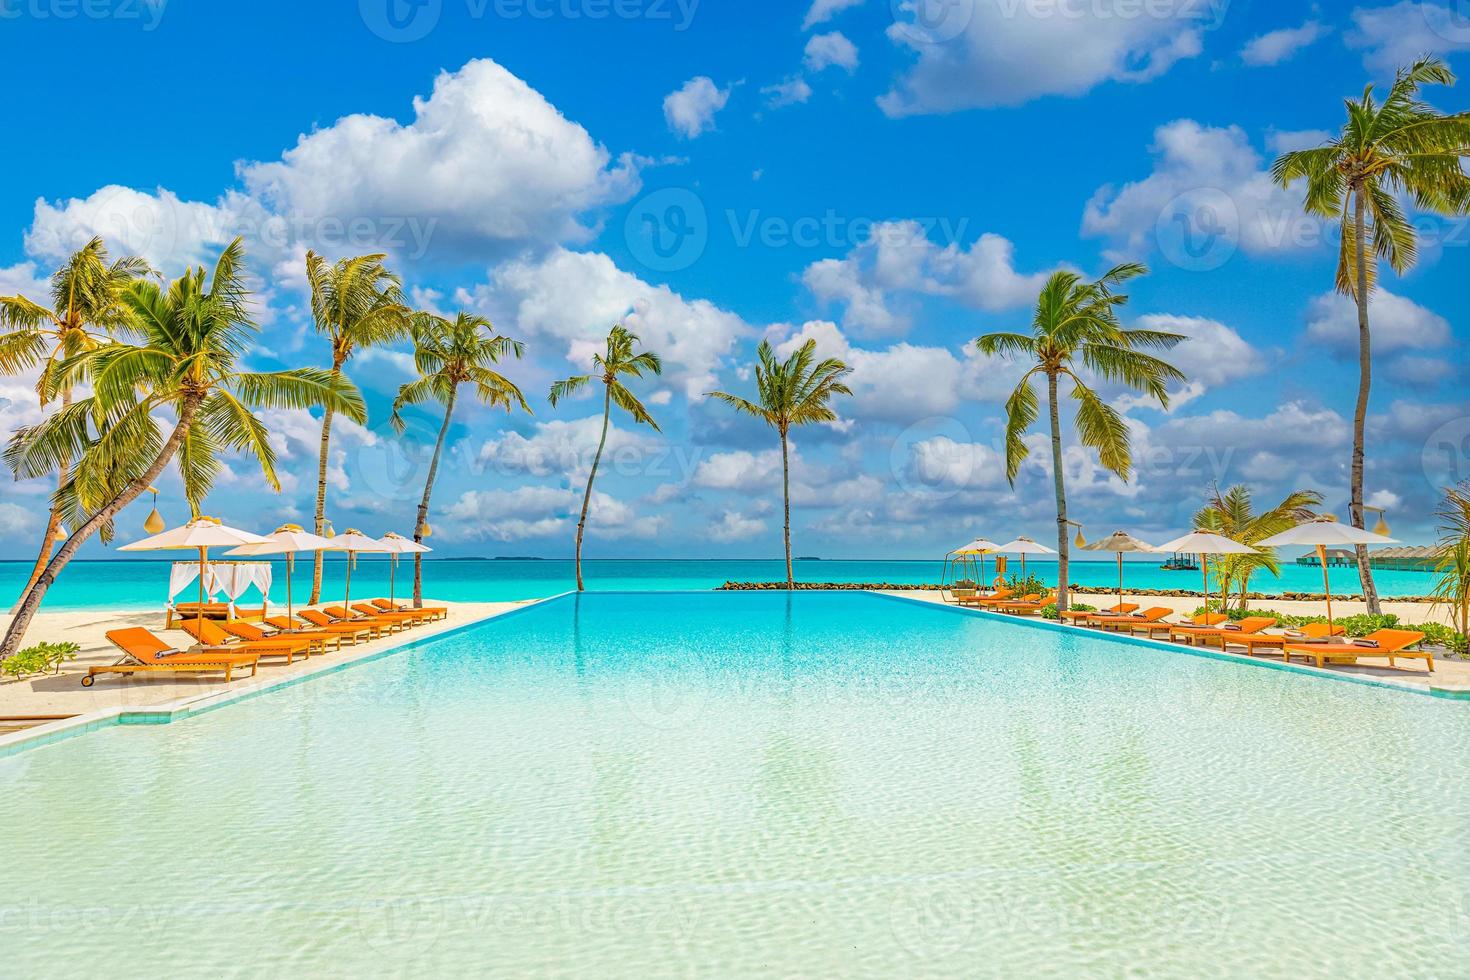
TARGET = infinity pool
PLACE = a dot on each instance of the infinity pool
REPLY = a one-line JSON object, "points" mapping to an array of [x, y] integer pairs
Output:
{"points": [[743, 784]]}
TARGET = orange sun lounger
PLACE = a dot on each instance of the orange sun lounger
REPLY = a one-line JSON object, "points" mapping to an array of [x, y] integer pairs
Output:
{"points": [[145, 653], [1277, 641], [1392, 644], [322, 620], [210, 634], [317, 639], [1222, 632], [1153, 618], [1121, 609], [412, 616], [393, 622], [352, 632], [1027, 606], [439, 612]]}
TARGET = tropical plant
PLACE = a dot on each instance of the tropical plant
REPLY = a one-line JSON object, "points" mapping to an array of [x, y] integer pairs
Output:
{"points": [[1076, 328], [194, 335], [1452, 589], [449, 354], [356, 303], [40, 659], [793, 392], [1232, 514], [618, 359], [85, 310], [1386, 151]]}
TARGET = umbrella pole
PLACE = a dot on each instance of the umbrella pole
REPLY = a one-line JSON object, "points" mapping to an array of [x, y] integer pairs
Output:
{"points": [[392, 571], [1120, 578], [199, 626], [290, 563], [1326, 584], [347, 602], [1204, 574]]}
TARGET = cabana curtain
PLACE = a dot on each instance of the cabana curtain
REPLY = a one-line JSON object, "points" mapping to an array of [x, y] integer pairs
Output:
{"points": [[229, 578]]}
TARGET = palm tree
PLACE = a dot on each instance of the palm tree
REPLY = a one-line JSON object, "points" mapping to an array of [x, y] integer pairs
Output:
{"points": [[447, 355], [1232, 514], [796, 391], [618, 359], [1453, 587], [85, 310], [357, 303], [1075, 327], [1384, 152], [195, 333]]}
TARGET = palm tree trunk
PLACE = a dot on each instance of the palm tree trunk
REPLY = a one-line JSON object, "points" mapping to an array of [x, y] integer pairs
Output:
{"points": [[418, 528], [31, 601], [1360, 412], [786, 504], [321, 491], [587, 497], [48, 540], [1059, 478]]}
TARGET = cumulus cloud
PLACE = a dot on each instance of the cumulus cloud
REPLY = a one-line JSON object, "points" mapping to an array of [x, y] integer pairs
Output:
{"points": [[828, 50], [566, 447], [900, 256], [1275, 47], [1398, 323], [690, 109], [989, 55], [18, 520], [575, 297], [735, 526], [790, 91], [541, 512], [822, 11], [1400, 33], [1216, 183]]}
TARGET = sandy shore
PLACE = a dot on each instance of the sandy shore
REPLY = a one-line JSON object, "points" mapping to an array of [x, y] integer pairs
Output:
{"points": [[1448, 674], [63, 694]]}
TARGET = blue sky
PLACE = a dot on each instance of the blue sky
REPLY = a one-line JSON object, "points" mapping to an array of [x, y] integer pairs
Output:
{"points": [[891, 180]]}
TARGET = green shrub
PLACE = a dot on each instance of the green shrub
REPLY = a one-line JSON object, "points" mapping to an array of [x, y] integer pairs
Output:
{"points": [[1027, 585], [39, 659], [1437, 633], [1050, 612]]}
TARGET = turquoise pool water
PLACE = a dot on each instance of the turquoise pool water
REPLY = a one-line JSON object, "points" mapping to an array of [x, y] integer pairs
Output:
{"points": [[142, 584], [755, 784]]}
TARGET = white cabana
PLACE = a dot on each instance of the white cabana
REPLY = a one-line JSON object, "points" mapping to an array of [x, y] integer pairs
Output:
{"points": [[200, 534]]}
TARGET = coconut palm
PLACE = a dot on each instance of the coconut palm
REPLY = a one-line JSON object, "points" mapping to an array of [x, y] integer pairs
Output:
{"points": [[447, 355], [1386, 151], [1453, 586], [796, 391], [1233, 515], [85, 310], [194, 335], [356, 303], [617, 360], [1076, 328]]}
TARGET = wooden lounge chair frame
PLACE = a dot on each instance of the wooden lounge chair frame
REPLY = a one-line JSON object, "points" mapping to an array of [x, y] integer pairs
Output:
{"points": [[316, 640], [1277, 641], [392, 622], [321, 620], [1199, 634], [1026, 607], [349, 632], [1121, 609], [212, 634], [1392, 644], [438, 612], [150, 655]]}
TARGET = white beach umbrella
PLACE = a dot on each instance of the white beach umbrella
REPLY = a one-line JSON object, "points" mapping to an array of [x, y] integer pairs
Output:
{"points": [[354, 542], [1322, 533], [288, 540], [1121, 543], [1204, 544], [201, 534], [978, 548], [396, 544], [1024, 546]]}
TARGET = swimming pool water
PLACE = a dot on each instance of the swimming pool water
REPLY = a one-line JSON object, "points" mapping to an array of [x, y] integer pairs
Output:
{"points": [[755, 784]]}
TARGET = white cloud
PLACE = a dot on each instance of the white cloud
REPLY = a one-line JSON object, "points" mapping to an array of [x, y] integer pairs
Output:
{"points": [[1401, 33], [995, 55], [791, 91], [734, 526], [1213, 179], [1397, 323], [18, 520], [824, 10], [1213, 354], [900, 256], [540, 512], [565, 448], [486, 159], [901, 383], [828, 50], [942, 463], [296, 434], [690, 109], [575, 297], [24, 279], [738, 470], [1274, 47]]}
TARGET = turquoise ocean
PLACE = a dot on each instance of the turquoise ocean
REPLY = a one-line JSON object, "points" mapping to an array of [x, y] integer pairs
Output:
{"points": [[143, 583]]}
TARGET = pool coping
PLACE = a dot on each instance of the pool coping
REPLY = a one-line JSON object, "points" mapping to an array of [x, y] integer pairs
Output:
{"points": [[166, 712], [1389, 683]]}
